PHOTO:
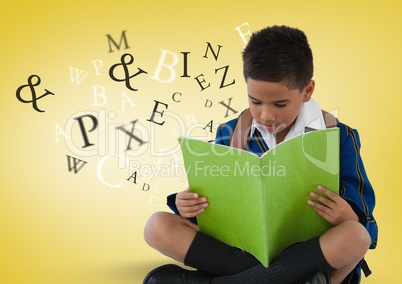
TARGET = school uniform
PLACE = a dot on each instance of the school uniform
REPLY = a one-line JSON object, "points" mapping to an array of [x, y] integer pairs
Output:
{"points": [[355, 186]]}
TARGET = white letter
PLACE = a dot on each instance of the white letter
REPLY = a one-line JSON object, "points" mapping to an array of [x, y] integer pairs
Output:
{"points": [[97, 65], [99, 94], [151, 200], [58, 132], [242, 35], [100, 166], [124, 100], [191, 118], [170, 67], [77, 75]]}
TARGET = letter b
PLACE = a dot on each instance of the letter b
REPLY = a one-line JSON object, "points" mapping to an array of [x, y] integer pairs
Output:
{"points": [[169, 67]]}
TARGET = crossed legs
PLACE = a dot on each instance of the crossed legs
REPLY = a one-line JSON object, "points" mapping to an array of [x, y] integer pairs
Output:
{"points": [[343, 246]]}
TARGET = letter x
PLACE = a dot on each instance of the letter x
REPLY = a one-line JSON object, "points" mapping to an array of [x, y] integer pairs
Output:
{"points": [[228, 107], [131, 135]]}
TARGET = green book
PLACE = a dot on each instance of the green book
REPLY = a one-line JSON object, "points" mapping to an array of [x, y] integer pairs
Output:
{"points": [[259, 204]]}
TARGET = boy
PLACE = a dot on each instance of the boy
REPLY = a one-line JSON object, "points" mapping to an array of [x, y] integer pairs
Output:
{"points": [[278, 68]]}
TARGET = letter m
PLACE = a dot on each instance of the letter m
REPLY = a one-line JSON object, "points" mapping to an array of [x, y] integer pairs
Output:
{"points": [[111, 41], [75, 164]]}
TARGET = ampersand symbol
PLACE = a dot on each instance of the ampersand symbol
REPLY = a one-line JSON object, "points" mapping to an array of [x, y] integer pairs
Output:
{"points": [[127, 76], [31, 86]]}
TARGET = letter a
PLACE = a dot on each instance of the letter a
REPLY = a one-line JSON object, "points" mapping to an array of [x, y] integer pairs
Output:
{"points": [[210, 125], [60, 131], [133, 176]]}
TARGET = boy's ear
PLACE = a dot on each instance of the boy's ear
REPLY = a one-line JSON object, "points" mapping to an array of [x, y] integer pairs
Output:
{"points": [[308, 91]]}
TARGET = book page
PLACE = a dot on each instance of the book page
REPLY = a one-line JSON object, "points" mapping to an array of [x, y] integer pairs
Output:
{"points": [[230, 179], [296, 168]]}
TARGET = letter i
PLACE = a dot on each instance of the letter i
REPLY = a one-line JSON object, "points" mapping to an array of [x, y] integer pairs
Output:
{"points": [[185, 64]]}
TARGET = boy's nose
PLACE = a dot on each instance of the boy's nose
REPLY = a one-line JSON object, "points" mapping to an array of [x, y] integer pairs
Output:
{"points": [[267, 117]]}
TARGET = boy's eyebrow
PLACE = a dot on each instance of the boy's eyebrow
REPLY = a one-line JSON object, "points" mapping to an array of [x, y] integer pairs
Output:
{"points": [[280, 101], [252, 98]]}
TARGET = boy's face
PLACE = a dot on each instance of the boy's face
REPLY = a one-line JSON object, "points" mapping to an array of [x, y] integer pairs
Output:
{"points": [[274, 106]]}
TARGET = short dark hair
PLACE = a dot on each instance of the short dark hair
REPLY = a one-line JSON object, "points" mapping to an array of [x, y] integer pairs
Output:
{"points": [[279, 54]]}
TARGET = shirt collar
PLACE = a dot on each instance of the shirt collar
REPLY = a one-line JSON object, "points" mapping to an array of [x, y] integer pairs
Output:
{"points": [[310, 118]]}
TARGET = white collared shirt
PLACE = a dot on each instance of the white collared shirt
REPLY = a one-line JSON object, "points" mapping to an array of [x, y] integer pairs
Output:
{"points": [[310, 117]]}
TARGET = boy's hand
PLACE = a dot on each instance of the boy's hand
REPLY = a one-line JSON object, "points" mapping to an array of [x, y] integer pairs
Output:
{"points": [[334, 208], [190, 204]]}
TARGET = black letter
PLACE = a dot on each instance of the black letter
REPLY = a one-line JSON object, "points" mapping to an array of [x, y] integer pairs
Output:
{"points": [[82, 127], [144, 187], [214, 54], [228, 107], [151, 119], [111, 40], [174, 95], [208, 103], [224, 76], [200, 82], [185, 64], [134, 176], [210, 124], [131, 135], [76, 163]]}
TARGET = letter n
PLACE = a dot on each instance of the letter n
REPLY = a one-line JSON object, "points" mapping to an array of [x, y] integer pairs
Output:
{"points": [[75, 164], [112, 42], [209, 47]]}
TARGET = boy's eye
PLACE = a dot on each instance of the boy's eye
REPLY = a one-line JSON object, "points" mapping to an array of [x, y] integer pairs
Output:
{"points": [[280, 105], [255, 102]]}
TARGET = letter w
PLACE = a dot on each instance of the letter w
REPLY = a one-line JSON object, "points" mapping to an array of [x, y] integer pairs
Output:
{"points": [[75, 165], [77, 75]]}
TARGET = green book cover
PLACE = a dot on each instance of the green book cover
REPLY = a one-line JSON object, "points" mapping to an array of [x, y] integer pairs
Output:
{"points": [[259, 204]]}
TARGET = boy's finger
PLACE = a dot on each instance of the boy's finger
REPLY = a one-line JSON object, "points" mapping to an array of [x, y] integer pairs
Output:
{"points": [[194, 210], [192, 202], [187, 195], [326, 191], [327, 202], [322, 210]]}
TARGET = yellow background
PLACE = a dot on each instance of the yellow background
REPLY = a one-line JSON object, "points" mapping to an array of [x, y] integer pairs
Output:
{"points": [[61, 227]]}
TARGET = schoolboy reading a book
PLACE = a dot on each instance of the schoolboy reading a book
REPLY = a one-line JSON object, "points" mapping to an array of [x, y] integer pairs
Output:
{"points": [[278, 69]]}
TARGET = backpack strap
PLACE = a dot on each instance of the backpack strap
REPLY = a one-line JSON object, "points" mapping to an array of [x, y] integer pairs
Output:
{"points": [[330, 119], [241, 130]]}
